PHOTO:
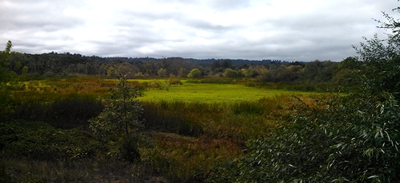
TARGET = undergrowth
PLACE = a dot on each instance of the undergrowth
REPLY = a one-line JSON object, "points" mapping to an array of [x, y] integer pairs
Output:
{"points": [[185, 140]]}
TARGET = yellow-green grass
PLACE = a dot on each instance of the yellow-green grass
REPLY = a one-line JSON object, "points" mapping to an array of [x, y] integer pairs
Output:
{"points": [[188, 92], [213, 93]]}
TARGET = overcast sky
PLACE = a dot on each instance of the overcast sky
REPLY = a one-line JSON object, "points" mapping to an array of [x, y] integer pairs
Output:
{"points": [[290, 30]]}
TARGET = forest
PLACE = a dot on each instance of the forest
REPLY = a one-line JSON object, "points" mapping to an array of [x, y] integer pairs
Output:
{"points": [[73, 118], [73, 65]]}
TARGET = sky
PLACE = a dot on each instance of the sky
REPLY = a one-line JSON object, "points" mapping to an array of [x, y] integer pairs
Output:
{"points": [[289, 30]]}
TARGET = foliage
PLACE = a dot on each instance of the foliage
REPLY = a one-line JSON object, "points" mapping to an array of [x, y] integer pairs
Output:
{"points": [[36, 152], [120, 116], [247, 72], [188, 137], [4, 62], [182, 73], [38, 140], [139, 75], [352, 138], [111, 72], [172, 80], [63, 112], [161, 72], [157, 84], [380, 67], [194, 73], [344, 139], [230, 73]]}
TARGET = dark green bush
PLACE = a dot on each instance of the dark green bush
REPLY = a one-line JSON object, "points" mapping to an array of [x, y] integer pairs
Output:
{"points": [[38, 140], [345, 139]]}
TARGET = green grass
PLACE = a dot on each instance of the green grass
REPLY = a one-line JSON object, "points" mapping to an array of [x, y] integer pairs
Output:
{"points": [[213, 93]]}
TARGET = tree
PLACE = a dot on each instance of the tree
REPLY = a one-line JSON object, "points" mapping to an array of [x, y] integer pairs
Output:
{"points": [[120, 116], [161, 72], [111, 72], [230, 73], [194, 73], [227, 64], [311, 70], [4, 62], [24, 70], [248, 73], [182, 73], [348, 72]]}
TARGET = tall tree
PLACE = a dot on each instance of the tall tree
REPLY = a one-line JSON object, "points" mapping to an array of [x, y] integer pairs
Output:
{"points": [[4, 62]]}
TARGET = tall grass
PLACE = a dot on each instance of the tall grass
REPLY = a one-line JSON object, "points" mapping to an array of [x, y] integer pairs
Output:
{"points": [[188, 138], [66, 112]]}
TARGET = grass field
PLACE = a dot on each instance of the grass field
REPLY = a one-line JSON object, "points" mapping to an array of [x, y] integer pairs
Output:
{"points": [[213, 93]]}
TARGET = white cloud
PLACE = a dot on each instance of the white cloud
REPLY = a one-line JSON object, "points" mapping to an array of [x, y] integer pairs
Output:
{"points": [[276, 29]]}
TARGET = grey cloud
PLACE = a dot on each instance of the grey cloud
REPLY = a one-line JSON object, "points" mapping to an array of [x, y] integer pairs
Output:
{"points": [[205, 25], [36, 14], [190, 29]]}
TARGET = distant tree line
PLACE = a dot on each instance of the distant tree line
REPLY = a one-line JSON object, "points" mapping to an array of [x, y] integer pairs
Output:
{"points": [[66, 64]]}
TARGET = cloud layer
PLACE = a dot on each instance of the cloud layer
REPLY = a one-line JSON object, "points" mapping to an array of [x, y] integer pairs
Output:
{"points": [[274, 29]]}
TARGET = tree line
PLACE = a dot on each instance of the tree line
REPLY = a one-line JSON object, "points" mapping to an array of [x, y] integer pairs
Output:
{"points": [[66, 64]]}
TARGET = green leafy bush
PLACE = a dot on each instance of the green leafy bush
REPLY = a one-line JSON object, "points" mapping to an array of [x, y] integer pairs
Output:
{"points": [[120, 116], [230, 73], [194, 73], [345, 139], [38, 140]]}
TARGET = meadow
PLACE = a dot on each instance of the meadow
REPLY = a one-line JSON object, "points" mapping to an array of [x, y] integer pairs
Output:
{"points": [[189, 130], [213, 93]]}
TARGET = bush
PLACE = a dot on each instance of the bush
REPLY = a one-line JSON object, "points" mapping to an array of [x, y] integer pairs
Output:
{"points": [[119, 122], [172, 80], [230, 73], [194, 73], [38, 140], [341, 139], [139, 75]]}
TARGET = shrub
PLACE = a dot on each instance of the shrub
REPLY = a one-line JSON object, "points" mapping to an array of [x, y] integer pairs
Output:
{"points": [[340, 139], [120, 116], [157, 84], [194, 73], [182, 73], [161, 72], [172, 80], [38, 140], [139, 75], [230, 73]]}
